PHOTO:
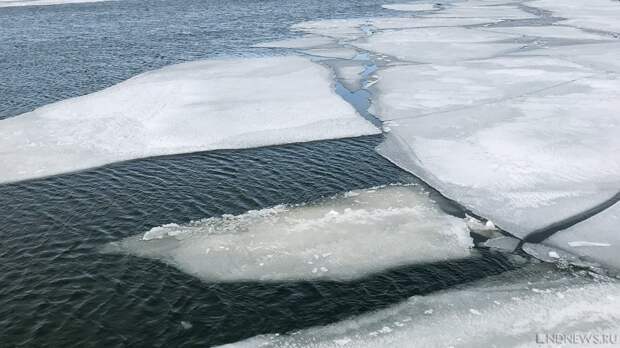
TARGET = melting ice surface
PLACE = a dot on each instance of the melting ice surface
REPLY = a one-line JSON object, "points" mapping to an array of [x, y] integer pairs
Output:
{"points": [[508, 310], [340, 238], [198, 106], [517, 122]]}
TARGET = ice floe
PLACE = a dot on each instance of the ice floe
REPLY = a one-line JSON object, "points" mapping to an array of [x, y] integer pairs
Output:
{"points": [[517, 309], [19, 3], [524, 163], [198, 106], [340, 238]]}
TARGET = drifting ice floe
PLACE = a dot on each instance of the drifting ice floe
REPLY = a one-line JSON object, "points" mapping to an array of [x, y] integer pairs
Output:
{"points": [[19, 3], [517, 309], [340, 238], [206, 105]]}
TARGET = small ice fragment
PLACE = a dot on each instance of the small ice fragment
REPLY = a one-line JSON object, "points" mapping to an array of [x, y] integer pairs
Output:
{"points": [[186, 325], [475, 312], [554, 255], [428, 311], [385, 329]]}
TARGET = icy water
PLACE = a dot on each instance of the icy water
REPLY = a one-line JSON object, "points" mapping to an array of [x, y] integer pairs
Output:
{"points": [[58, 289]]}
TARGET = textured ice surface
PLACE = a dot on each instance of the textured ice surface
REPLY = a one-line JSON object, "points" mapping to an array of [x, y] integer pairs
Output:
{"points": [[525, 162], [409, 91], [343, 237], [502, 311], [422, 22], [410, 7], [342, 29], [438, 45], [475, 9], [198, 106], [551, 31], [591, 14], [16, 3], [595, 239], [602, 57], [306, 41], [342, 53]]}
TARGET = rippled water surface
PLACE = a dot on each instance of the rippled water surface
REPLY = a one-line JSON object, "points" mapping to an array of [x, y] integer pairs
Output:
{"points": [[59, 290]]}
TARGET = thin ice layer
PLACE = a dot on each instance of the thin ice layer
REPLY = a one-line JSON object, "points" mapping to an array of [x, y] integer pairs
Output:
{"points": [[601, 246], [438, 45], [341, 238], [206, 105], [516, 309]]}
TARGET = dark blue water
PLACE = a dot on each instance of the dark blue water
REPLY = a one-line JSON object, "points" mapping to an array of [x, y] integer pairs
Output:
{"points": [[58, 290], [48, 53]]}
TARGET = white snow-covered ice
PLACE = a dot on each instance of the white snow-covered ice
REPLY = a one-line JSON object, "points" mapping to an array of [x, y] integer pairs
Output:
{"points": [[516, 309], [340, 238], [198, 106]]}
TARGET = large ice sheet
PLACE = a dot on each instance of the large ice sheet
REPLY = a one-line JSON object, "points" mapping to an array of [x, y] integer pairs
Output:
{"points": [[19, 3], [526, 162], [206, 105], [591, 14], [518, 309], [438, 45], [596, 239], [340, 238], [408, 91]]}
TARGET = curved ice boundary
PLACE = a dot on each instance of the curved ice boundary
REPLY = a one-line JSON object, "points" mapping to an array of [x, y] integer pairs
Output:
{"points": [[340, 238], [523, 308], [19, 3], [503, 108], [197, 106]]}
